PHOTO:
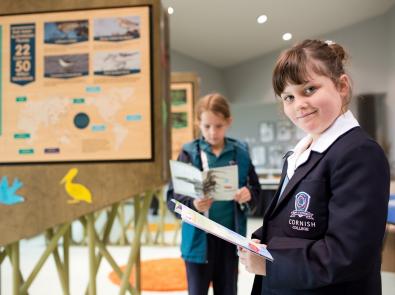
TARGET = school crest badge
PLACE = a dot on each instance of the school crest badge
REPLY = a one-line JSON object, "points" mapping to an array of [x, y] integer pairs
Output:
{"points": [[302, 202]]}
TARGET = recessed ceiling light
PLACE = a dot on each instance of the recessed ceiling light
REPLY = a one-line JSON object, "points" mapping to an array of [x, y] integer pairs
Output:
{"points": [[261, 19], [287, 36], [170, 10]]}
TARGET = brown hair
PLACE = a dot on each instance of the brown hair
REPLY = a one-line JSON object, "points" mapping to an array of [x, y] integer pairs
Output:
{"points": [[323, 58], [213, 102]]}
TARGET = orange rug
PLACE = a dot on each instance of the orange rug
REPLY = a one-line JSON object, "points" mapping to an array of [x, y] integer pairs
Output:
{"points": [[153, 227], [167, 274]]}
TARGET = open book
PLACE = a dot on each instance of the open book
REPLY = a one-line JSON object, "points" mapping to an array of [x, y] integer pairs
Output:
{"points": [[219, 183], [200, 221]]}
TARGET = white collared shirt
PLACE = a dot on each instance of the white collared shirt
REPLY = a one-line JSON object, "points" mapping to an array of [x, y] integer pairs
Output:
{"points": [[303, 148]]}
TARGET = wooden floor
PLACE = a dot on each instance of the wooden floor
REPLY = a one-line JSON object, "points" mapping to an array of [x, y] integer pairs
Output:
{"points": [[389, 250]]}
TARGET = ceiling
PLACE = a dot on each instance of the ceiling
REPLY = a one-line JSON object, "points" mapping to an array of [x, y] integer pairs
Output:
{"points": [[223, 33]]}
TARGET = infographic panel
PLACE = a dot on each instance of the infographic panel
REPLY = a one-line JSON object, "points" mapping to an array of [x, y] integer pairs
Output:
{"points": [[76, 86]]}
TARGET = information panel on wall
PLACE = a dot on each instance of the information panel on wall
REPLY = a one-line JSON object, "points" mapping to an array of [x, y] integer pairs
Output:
{"points": [[181, 116], [76, 86]]}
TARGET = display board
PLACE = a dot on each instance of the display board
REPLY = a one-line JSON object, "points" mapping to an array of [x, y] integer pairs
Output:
{"points": [[79, 113], [183, 93], [76, 86]]}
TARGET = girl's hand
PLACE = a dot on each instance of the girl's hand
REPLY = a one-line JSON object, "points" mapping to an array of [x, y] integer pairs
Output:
{"points": [[203, 204], [243, 195], [253, 263]]}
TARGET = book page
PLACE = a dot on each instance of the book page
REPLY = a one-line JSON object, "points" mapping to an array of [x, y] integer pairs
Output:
{"points": [[187, 179], [221, 183]]}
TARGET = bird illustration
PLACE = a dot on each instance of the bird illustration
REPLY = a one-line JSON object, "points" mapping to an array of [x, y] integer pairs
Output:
{"points": [[7, 194], [66, 27], [131, 27], [65, 64], [76, 191], [118, 61], [127, 24]]}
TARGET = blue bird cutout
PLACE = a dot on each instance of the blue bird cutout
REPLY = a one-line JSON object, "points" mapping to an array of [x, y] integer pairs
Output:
{"points": [[7, 194]]}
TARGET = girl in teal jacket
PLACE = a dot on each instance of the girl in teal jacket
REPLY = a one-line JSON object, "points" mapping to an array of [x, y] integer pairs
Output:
{"points": [[208, 258]]}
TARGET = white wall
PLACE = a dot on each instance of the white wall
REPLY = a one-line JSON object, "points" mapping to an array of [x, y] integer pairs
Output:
{"points": [[368, 46], [366, 42], [251, 81], [371, 45], [211, 78]]}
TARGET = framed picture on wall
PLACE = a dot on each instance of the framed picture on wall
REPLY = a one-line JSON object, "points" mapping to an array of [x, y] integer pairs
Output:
{"points": [[266, 131], [258, 155], [179, 120], [178, 97], [275, 156], [183, 91], [284, 130]]}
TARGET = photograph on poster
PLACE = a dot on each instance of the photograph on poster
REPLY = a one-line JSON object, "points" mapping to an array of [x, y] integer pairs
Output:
{"points": [[178, 97], [66, 66], [117, 63], [179, 120], [284, 130], [258, 155], [117, 28], [66, 32], [266, 131]]}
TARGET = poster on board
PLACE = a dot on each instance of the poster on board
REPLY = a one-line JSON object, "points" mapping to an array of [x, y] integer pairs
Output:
{"points": [[181, 115], [76, 86]]}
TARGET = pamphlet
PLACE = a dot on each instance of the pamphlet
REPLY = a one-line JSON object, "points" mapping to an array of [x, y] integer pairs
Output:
{"points": [[200, 221], [219, 183]]}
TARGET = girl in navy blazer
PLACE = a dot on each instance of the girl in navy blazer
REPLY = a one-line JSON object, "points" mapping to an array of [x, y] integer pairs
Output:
{"points": [[326, 224]]}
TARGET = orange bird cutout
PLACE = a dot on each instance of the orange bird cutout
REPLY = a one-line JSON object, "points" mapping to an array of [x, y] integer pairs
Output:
{"points": [[78, 192]]}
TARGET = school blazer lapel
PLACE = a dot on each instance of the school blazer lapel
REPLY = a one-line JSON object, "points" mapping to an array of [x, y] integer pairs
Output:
{"points": [[299, 174], [272, 204]]}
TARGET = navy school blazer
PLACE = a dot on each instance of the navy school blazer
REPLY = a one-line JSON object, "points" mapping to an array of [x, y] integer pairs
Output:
{"points": [[326, 232]]}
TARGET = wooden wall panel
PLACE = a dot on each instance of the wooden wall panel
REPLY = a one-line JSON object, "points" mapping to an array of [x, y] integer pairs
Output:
{"points": [[46, 201]]}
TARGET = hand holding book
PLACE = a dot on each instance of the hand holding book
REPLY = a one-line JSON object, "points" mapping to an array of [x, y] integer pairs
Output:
{"points": [[243, 195], [203, 204], [198, 220], [252, 262]]}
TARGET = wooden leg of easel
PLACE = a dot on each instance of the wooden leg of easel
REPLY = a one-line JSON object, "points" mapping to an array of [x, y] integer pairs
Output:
{"points": [[15, 268], [135, 250], [92, 255]]}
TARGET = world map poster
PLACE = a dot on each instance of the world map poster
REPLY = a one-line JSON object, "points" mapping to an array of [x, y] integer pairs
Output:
{"points": [[76, 86]]}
